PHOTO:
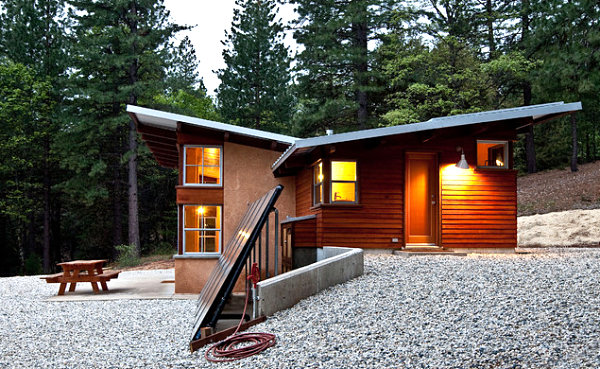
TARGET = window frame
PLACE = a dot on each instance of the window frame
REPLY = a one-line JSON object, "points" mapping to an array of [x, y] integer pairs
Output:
{"points": [[185, 165], [316, 184], [331, 181], [219, 230], [506, 165]]}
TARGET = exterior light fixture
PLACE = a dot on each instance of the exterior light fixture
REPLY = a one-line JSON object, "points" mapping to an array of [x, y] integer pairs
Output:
{"points": [[462, 163]]}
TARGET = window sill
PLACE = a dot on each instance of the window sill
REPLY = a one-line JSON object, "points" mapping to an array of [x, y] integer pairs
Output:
{"points": [[334, 206], [492, 169], [196, 256], [215, 187]]}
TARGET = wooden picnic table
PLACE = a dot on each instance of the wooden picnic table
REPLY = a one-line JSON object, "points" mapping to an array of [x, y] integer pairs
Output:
{"points": [[82, 271]]}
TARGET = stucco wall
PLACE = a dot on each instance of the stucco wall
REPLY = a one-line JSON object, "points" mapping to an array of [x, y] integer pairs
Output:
{"points": [[191, 274], [247, 176]]}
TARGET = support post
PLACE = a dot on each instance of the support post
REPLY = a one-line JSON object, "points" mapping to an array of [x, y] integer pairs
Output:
{"points": [[267, 246], [276, 240]]}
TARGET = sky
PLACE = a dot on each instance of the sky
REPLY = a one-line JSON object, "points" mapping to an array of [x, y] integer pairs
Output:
{"points": [[211, 19]]}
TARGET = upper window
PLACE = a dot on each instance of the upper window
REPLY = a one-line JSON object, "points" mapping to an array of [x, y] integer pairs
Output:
{"points": [[318, 179], [343, 181], [203, 165], [202, 229], [492, 154]]}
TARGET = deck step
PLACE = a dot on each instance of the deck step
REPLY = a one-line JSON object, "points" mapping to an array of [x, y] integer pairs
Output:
{"points": [[427, 251]]}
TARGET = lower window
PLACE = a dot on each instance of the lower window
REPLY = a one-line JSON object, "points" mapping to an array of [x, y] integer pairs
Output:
{"points": [[202, 229]]}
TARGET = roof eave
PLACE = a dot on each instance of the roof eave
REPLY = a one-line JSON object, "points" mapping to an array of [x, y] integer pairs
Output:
{"points": [[540, 113], [166, 120]]}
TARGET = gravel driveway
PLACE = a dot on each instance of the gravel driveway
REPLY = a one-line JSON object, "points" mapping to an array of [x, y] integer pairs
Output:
{"points": [[540, 310]]}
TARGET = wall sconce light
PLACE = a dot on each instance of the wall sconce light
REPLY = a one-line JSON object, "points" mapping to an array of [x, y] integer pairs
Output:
{"points": [[462, 163]]}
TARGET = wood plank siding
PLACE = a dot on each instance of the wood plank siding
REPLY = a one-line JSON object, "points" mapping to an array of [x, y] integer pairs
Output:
{"points": [[479, 208], [378, 216]]}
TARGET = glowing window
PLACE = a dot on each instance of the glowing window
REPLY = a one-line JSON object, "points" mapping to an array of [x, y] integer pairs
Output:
{"points": [[202, 229], [492, 154], [318, 183], [202, 165], [343, 181]]}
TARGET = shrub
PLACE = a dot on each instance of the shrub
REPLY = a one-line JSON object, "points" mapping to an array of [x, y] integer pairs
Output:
{"points": [[127, 256], [33, 265]]}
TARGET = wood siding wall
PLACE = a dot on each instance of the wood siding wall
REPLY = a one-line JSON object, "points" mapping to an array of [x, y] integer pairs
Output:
{"points": [[479, 208], [377, 218]]}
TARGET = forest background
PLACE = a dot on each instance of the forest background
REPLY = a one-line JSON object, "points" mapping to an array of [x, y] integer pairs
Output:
{"points": [[76, 181]]}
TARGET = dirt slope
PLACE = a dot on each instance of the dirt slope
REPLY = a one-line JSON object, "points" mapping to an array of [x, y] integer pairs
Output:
{"points": [[559, 190]]}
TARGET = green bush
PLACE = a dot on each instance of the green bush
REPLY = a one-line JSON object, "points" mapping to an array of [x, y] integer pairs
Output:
{"points": [[33, 265], [127, 256], [164, 248]]}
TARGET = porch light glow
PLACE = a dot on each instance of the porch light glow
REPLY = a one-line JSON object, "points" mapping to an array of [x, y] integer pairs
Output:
{"points": [[462, 163]]}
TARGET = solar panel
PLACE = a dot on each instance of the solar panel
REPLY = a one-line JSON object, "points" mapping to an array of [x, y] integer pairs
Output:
{"points": [[229, 267]]}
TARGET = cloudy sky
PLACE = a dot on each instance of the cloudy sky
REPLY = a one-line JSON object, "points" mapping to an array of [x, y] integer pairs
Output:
{"points": [[211, 19]]}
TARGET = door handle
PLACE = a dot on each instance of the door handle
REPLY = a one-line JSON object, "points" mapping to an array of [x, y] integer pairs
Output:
{"points": [[432, 202]]}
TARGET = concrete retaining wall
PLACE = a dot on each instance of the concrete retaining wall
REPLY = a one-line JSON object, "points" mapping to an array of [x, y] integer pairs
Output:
{"points": [[338, 265]]}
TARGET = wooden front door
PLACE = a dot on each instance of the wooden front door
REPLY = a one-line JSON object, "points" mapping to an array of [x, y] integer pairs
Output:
{"points": [[421, 199]]}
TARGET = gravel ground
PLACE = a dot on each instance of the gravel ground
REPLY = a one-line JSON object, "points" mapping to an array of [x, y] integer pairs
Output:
{"points": [[539, 310]]}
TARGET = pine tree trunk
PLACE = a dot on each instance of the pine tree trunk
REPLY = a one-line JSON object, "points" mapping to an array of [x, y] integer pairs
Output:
{"points": [[134, 231], [490, 28], [361, 69], [529, 136], [47, 263], [117, 214], [574, 143], [132, 189]]}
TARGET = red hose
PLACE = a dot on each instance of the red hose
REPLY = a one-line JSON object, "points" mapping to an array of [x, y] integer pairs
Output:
{"points": [[241, 345]]}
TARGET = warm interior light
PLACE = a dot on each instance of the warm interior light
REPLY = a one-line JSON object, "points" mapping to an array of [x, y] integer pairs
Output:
{"points": [[499, 161], [200, 210], [321, 177]]}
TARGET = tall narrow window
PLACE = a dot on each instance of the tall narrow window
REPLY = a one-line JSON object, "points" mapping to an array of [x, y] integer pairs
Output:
{"points": [[492, 154], [202, 165], [343, 181], [202, 229], [318, 184]]}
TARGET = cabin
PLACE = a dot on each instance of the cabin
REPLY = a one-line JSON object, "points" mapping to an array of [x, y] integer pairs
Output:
{"points": [[447, 183]]}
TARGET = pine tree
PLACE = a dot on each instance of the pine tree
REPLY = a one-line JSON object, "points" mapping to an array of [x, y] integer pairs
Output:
{"points": [[32, 33], [24, 108], [121, 59], [255, 84], [336, 80], [565, 36]]}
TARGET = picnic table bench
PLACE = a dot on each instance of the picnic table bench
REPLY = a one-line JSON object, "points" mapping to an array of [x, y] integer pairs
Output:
{"points": [[82, 271]]}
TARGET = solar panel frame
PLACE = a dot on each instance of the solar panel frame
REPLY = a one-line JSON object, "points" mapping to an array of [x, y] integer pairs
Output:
{"points": [[230, 264]]}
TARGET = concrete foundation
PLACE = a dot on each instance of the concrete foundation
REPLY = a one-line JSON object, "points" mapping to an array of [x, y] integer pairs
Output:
{"points": [[337, 265], [485, 250]]}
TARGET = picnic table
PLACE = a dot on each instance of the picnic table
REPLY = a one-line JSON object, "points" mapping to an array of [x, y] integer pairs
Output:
{"points": [[82, 271]]}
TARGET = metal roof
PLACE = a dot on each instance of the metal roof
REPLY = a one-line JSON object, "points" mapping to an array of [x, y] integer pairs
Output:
{"points": [[165, 120], [532, 111]]}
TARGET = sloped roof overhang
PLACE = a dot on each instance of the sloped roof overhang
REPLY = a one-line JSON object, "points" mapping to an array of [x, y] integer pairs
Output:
{"points": [[159, 130], [517, 119]]}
